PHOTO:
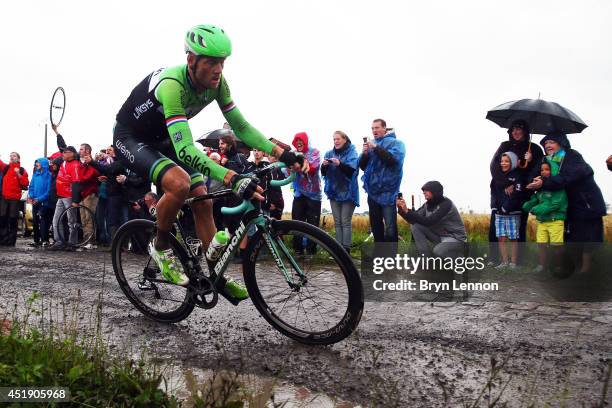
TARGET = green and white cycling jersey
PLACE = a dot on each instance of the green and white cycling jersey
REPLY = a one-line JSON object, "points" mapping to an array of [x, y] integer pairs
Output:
{"points": [[158, 110]]}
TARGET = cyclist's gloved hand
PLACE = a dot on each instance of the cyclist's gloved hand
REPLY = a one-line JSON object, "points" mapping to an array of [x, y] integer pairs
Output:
{"points": [[290, 159], [246, 187]]}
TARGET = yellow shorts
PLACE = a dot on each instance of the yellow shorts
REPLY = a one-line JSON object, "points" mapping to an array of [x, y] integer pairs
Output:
{"points": [[550, 232]]}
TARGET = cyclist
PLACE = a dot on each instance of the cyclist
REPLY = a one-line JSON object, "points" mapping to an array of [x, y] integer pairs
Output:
{"points": [[152, 137]]}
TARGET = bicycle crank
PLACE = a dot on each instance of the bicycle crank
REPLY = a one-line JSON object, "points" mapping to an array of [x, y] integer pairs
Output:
{"points": [[203, 293]]}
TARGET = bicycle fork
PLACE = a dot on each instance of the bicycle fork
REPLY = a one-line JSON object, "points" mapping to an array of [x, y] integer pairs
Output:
{"points": [[274, 244]]}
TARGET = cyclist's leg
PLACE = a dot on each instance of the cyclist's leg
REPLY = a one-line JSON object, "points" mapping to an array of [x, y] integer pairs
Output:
{"points": [[203, 217], [202, 210], [148, 161], [205, 225]]}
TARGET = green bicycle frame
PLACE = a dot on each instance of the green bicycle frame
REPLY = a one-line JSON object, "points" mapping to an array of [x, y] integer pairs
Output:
{"points": [[259, 221]]}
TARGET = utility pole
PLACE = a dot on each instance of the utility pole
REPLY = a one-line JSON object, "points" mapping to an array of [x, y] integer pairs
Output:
{"points": [[45, 140]]}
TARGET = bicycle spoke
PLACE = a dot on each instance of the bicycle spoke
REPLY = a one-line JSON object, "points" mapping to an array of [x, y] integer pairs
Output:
{"points": [[305, 314], [316, 306]]}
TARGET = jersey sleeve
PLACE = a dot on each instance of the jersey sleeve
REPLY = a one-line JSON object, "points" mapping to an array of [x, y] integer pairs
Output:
{"points": [[243, 129], [170, 93]]}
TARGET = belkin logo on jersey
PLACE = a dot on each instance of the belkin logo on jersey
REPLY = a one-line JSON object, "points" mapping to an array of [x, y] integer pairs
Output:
{"points": [[140, 109], [193, 162]]}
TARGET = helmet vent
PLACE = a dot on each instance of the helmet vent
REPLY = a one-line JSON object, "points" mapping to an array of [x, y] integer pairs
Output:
{"points": [[201, 41], [192, 36], [209, 30]]}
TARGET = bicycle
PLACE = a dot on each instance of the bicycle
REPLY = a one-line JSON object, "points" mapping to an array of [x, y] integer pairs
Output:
{"points": [[314, 299], [84, 225]]}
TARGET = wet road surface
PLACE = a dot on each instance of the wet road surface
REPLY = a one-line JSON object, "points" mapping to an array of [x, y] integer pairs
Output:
{"points": [[403, 354]]}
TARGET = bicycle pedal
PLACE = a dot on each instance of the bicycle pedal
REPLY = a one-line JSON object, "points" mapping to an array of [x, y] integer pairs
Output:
{"points": [[146, 285], [151, 273]]}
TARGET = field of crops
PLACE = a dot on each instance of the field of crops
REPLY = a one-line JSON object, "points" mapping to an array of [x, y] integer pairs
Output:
{"points": [[477, 226]]}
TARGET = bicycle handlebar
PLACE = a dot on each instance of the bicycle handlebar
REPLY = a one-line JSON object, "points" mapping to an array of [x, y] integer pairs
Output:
{"points": [[246, 205]]}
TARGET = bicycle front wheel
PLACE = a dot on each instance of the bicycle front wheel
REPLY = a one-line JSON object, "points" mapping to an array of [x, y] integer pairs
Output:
{"points": [[139, 277], [317, 298]]}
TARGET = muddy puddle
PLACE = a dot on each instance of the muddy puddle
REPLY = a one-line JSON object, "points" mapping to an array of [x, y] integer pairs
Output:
{"points": [[259, 391]]}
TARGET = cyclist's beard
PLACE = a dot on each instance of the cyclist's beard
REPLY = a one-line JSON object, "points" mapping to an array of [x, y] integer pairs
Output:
{"points": [[194, 76]]}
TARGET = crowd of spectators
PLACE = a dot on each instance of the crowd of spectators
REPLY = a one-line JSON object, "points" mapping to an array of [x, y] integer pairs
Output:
{"points": [[556, 185], [70, 178]]}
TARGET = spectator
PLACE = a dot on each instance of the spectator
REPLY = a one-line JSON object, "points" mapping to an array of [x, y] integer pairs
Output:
{"points": [[102, 212], [233, 160], [339, 169], [61, 143], [259, 162], [609, 162], [115, 174], [550, 209], [507, 204], [529, 156], [259, 159], [14, 180], [67, 175], [135, 188], [87, 192], [40, 187], [437, 222], [2, 219], [586, 207], [215, 185], [307, 191], [143, 208], [382, 160], [54, 167], [274, 195], [146, 206]]}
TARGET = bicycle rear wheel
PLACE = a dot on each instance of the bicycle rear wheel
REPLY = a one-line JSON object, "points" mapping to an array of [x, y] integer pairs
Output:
{"points": [[82, 221], [325, 305], [139, 277]]}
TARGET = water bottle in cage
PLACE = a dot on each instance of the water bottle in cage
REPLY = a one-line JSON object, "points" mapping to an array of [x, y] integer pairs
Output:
{"points": [[217, 245]]}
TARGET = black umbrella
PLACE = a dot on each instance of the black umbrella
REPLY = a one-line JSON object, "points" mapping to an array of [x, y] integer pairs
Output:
{"points": [[211, 139], [542, 116]]}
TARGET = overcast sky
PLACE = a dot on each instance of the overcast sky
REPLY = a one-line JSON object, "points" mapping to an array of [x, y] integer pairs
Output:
{"points": [[431, 69]]}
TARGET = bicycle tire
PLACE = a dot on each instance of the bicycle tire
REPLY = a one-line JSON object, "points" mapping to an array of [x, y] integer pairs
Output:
{"points": [[355, 303], [82, 238], [57, 104], [118, 252]]}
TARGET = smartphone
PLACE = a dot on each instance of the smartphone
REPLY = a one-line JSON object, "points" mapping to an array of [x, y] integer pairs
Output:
{"points": [[399, 195], [365, 140]]}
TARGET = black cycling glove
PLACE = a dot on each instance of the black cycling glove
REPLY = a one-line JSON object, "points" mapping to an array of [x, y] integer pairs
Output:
{"points": [[290, 158], [244, 187]]}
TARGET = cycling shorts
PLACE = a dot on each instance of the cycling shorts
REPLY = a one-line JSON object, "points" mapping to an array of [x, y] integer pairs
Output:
{"points": [[148, 159]]}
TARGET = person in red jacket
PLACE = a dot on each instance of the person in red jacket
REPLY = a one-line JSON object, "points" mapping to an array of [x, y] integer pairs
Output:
{"points": [[306, 191], [69, 174], [14, 180], [87, 191]]}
